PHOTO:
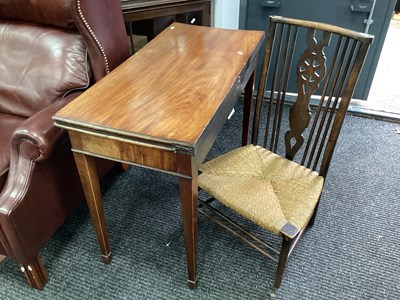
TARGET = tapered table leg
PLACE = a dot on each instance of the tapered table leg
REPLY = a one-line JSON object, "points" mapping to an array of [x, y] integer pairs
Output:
{"points": [[189, 197], [90, 182]]}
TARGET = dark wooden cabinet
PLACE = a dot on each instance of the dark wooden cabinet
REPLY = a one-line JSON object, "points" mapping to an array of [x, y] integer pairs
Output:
{"points": [[145, 19]]}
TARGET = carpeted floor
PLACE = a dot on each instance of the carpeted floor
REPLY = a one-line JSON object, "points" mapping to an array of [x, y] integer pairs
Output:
{"points": [[350, 253]]}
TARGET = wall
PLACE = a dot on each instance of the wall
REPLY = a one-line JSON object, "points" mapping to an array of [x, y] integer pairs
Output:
{"points": [[226, 13]]}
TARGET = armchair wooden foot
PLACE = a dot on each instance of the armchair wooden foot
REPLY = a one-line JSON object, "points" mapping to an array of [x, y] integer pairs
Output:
{"points": [[35, 273]]}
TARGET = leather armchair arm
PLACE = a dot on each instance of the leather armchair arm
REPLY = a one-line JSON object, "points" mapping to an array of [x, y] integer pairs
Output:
{"points": [[36, 137], [24, 201]]}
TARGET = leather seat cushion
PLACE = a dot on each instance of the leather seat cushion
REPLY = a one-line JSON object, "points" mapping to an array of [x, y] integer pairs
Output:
{"points": [[25, 85], [8, 123]]}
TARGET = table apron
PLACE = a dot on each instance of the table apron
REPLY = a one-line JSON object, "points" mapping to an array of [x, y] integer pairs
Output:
{"points": [[156, 158]]}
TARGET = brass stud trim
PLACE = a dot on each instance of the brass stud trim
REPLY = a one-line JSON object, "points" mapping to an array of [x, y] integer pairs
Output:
{"points": [[93, 35]]}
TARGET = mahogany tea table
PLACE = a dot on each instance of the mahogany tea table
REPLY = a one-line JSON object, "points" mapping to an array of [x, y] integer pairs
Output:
{"points": [[163, 109]]}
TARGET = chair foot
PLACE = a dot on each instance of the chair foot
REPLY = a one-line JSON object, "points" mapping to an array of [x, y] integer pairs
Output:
{"points": [[35, 273]]}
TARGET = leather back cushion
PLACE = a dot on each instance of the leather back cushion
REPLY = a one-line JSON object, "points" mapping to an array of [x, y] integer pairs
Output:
{"points": [[38, 65], [48, 12]]}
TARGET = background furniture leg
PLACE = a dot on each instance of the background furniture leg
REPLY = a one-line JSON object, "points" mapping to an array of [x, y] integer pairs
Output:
{"points": [[247, 105]]}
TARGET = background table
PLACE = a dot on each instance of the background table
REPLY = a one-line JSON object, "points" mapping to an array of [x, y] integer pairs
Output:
{"points": [[149, 17]]}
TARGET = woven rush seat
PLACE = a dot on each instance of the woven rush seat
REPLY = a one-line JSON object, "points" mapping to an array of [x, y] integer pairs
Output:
{"points": [[263, 187]]}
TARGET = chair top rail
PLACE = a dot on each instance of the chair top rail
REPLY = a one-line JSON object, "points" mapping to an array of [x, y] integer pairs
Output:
{"points": [[362, 37]]}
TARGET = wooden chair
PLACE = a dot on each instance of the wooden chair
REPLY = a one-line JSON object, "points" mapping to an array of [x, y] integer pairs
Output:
{"points": [[278, 185]]}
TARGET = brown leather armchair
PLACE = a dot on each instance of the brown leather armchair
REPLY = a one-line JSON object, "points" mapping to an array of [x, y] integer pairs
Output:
{"points": [[50, 51]]}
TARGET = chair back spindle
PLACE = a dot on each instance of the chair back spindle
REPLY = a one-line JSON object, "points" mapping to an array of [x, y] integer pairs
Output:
{"points": [[328, 66]]}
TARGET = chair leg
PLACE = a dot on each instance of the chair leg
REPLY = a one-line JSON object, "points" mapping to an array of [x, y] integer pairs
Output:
{"points": [[35, 273], [312, 220], [285, 249]]}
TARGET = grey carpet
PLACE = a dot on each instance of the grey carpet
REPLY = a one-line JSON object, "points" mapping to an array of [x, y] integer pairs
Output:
{"points": [[350, 253]]}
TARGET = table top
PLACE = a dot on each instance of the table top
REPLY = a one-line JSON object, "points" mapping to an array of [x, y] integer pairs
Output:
{"points": [[169, 91]]}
